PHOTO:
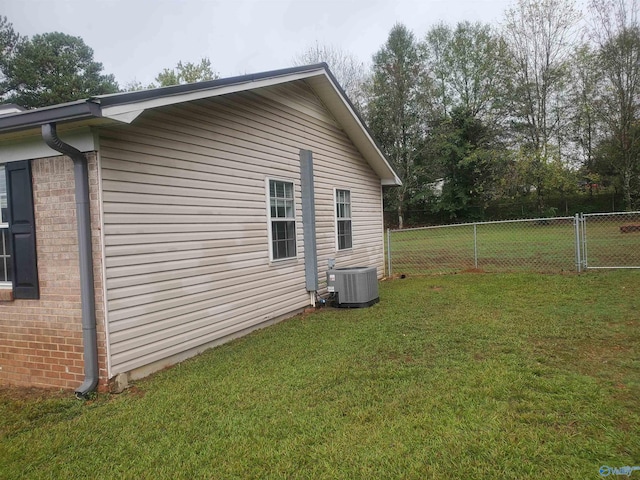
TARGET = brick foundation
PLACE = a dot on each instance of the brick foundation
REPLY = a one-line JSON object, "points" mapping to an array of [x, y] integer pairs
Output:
{"points": [[41, 340]]}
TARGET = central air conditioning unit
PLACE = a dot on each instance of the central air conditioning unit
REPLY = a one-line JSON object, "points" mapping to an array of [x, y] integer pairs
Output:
{"points": [[354, 287]]}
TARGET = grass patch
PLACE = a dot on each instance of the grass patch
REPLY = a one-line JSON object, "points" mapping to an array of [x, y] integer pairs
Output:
{"points": [[462, 376]]}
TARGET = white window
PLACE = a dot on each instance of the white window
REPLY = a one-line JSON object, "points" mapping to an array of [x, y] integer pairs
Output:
{"points": [[5, 257], [343, 219], [282, 219]]}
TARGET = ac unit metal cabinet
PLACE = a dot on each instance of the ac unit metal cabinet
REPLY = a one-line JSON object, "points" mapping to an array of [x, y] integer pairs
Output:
{"points": [[354, 287]]}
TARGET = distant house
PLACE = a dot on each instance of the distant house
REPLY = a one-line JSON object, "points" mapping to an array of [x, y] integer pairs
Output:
{"points": [[436, 187], [139, 229]]}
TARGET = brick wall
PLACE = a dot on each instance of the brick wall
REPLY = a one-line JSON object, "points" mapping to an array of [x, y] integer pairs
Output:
{"points": [[41, 340]]}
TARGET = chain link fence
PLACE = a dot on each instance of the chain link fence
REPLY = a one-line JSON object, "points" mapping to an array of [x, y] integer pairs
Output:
{"points": [[561, 244]]}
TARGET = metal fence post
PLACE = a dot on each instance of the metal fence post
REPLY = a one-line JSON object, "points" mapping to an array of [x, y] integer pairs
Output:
{"points": [[583, 221], [475, 245], [578, 239], [389, 251]]}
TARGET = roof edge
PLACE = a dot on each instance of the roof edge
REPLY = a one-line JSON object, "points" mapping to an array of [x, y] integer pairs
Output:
{"points": [[60, 113], [92, 107], [142, 95]]}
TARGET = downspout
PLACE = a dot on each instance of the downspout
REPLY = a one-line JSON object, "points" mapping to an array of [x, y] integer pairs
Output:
{"points": [[87, 294]]}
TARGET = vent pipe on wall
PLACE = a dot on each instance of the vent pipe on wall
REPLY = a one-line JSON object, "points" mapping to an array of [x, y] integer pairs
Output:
{"points": [[87, 294]]}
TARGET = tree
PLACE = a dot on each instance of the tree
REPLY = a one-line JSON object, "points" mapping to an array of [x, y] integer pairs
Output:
{"points": [[585, 97], [538, 34], [465, 65], [434, 48], [348, 70], [606, 165], [617, 35], [398, 114], [181, 74], [9, 40], [472, 163], [136, 86], [54, 68], [186, 73]]}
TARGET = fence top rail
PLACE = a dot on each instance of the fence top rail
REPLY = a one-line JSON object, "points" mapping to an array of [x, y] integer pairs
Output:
{"points": [[610, 214], [545, 219], [612, 268], [430, 227]]}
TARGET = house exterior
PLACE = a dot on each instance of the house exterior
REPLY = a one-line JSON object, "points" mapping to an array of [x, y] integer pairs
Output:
{"points": [[209, 210]]}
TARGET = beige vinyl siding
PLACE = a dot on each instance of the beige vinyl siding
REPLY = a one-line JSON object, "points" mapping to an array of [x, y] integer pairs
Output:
{"points": [[185, 217]]}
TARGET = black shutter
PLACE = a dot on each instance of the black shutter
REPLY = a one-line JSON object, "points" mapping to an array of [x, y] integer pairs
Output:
{"points": [[22, 230]]}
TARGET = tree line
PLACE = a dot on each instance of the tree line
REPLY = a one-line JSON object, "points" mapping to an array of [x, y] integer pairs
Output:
{"points": [[54, 67], [471, 115], [546, 105]]}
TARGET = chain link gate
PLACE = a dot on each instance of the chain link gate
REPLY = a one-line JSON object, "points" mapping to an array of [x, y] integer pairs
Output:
{"points": [[609, 240]]}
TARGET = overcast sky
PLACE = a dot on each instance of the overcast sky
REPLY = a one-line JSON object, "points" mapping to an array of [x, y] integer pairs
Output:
{"points": [[136, 39]]}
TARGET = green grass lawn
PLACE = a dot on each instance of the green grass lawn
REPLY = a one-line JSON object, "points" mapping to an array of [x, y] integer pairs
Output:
{"points": [[455, 376], [541, 246]]}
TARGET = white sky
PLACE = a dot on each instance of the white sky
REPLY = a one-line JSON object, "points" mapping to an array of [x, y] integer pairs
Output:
{"points": [[136, 39]]}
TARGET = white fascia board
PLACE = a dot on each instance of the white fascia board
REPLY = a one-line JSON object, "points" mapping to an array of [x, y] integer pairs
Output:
{"points": [[126, 117], [391, 183], [11, 109], [130, 111], [28, 148]]}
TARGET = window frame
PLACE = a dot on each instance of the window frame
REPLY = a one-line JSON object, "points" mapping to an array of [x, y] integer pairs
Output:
{"points": [[338, 219], [4, 225], [271, 219]]}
